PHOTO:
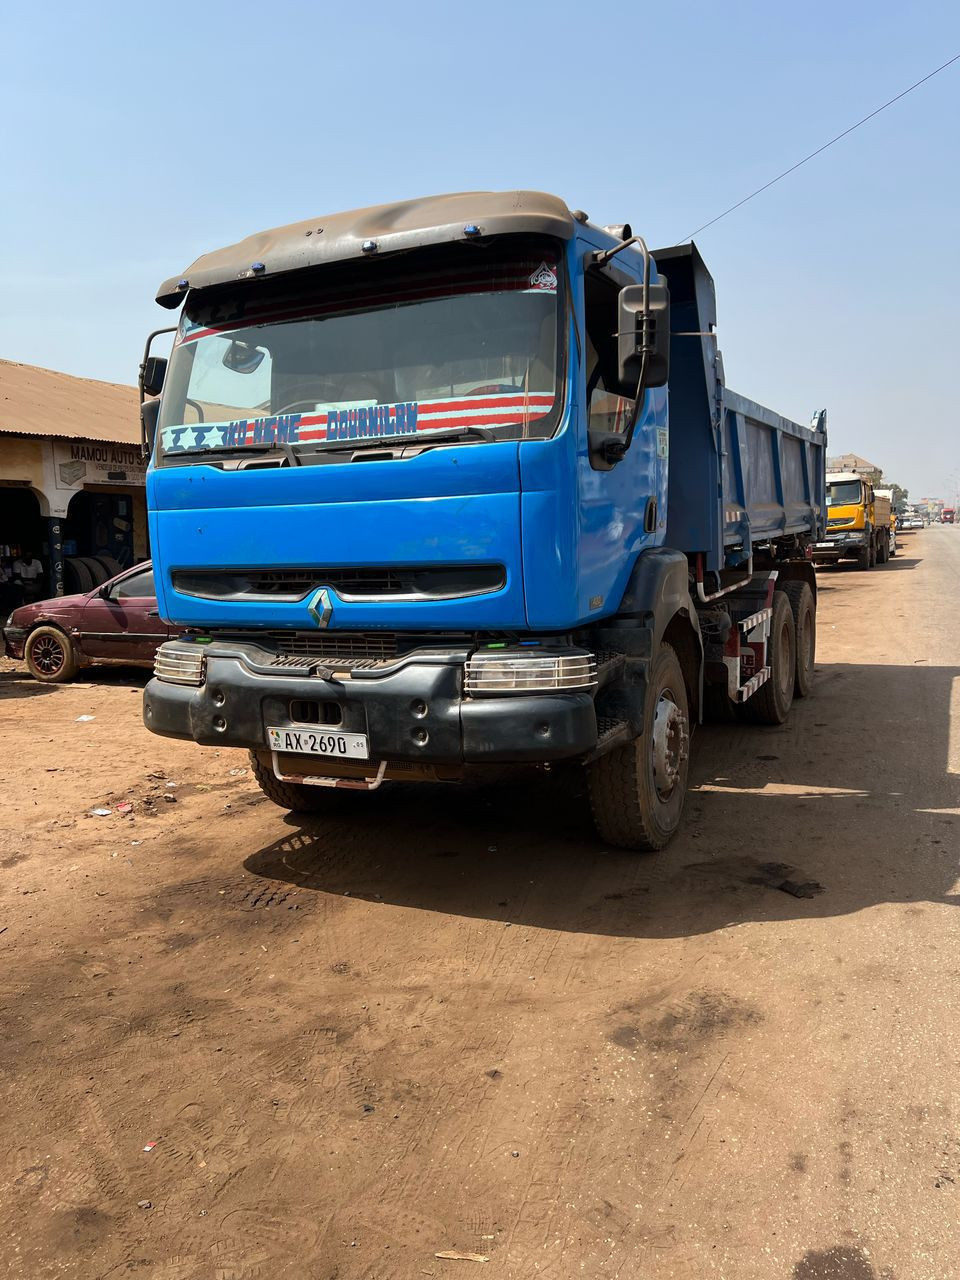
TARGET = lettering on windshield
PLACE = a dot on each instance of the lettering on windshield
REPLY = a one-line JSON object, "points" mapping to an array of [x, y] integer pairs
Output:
{"points": [[358, 422]]}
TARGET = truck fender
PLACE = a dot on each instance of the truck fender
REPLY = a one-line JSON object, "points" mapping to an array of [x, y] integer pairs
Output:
{"points": [[656, 608]]}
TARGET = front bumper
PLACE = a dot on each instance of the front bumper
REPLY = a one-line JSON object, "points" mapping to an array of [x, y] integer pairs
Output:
{"points": [[14, 639], [414, 712], [850, 542]]}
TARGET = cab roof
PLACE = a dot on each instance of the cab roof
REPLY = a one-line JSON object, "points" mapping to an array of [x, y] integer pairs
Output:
{"points": [[390, 228]]}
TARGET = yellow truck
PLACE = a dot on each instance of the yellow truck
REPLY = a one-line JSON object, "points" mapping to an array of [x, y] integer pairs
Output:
{"points": [[858, 522]]}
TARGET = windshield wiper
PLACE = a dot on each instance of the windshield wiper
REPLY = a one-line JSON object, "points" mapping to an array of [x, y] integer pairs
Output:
{"points": [[401, 440]]}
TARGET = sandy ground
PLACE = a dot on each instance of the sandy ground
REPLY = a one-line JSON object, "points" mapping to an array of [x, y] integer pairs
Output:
{"points": [[451, 1020]]}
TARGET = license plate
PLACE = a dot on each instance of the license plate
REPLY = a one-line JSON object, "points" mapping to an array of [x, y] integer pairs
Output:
{"points": [[315, 742]]}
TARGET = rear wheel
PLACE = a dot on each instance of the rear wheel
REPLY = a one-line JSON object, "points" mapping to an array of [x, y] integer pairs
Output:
{"points": [[50, 655], [805, 624], [637, 790], [772, 702], [864, 558], [298, 797]]}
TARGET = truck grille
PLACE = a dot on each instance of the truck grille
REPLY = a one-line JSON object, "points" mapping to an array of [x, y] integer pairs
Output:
{"points": [[379, 646], [417, 582]]}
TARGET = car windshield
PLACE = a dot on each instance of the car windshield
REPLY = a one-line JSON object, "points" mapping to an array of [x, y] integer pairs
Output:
{"points": [[443, 342], [843, 493]]}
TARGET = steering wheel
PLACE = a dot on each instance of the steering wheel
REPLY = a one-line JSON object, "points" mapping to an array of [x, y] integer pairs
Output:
{"points": [[493, 389]]}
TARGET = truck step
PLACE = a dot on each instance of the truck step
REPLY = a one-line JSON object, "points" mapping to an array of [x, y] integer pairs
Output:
{"points": [[610, 733], [609, 665], [747, 690]]}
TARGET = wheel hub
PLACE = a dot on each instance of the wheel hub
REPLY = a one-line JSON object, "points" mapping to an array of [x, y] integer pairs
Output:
{"points": [[670, 743], [48, 655]]}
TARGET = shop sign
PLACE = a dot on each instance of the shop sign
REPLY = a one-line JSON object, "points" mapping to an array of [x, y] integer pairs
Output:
{"points": [[80, 462]]}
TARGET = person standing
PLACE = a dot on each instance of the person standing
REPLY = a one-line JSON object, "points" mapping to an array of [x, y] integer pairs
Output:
{"points": [[28, 575]]}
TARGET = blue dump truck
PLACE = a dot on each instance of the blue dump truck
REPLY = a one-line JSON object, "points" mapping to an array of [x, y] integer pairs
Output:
{"points": [[455, 484]]}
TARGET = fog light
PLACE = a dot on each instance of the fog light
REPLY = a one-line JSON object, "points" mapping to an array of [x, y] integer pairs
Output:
{"points": [[180, 664], [505, 672]]}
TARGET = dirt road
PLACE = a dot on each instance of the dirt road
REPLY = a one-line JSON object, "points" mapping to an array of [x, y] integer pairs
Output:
{"points": [[451, 1020]]}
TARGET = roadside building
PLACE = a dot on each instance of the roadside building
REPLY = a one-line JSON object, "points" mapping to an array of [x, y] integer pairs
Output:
{"points": [[853, 462], [71, 476]]}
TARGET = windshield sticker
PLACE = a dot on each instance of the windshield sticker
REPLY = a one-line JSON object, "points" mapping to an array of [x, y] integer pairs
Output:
{"points": [[544, 279], [361, 420]]}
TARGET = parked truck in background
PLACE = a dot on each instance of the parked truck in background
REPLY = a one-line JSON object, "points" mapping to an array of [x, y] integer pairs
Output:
{"points": [[887, 496], [858, 522], [422, 504], [948, 515]]}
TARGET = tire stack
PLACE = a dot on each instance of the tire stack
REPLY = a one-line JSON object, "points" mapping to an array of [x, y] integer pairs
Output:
{"points": [[84, 573]]}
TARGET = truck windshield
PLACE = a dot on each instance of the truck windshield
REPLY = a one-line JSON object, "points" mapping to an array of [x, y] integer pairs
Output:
{"points": [[367, 351], [843, 493]]}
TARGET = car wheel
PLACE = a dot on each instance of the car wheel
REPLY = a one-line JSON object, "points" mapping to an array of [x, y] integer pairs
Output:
{"points": [[50, 655]]}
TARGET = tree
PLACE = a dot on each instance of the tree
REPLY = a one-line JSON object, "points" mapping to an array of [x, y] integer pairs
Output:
{"points": [[900, 495]]}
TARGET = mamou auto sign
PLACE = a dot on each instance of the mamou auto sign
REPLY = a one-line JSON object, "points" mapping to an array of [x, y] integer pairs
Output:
{"points": [[81, 462]]}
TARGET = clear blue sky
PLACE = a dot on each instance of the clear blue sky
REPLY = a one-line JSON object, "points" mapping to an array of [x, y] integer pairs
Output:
{"points": [[136, 137]]}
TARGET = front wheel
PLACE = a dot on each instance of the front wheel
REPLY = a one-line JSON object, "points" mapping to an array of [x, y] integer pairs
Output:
{"points": [[50, 655], [637, 790]]}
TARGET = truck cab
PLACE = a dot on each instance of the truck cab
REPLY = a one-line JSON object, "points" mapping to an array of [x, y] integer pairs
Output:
{"points": [[854, 531]]}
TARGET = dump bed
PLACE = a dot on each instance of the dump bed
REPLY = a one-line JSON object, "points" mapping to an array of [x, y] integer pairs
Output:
{"points": [[740, 474]]}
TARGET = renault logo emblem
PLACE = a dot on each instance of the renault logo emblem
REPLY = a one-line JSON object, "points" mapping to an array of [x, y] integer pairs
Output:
{"points": [[320, 608]]}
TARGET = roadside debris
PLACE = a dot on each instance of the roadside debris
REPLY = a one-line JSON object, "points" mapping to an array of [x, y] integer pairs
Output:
{"points": [[455, 1255], [808, 889], [144, 1204], [126, 807], [84, 719], [149, 1146], [100, 813]]}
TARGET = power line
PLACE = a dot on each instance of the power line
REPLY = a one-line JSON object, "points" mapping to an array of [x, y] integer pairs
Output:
{"points": [[766, 186]]}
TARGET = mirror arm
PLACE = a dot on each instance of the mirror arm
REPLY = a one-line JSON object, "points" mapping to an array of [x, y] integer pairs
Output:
{"points": [[614, 449], [146, 355]]}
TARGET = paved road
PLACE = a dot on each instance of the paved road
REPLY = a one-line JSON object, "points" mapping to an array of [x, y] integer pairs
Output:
{"points": [[452, 1020]]}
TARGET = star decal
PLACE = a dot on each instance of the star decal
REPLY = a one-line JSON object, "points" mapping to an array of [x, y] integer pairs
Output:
{"points": [[188, 439], [214, 438]]}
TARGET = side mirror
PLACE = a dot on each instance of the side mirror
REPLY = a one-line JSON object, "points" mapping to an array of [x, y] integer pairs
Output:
{"points": [[149, 415], [152, 373], [104, 592], [640, 335]]}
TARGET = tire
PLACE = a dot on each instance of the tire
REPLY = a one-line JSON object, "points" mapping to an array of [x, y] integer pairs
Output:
{"points": [[298, 797], [50, 655], [96, 570], [81, 579], [630, 809], [864, 558], [109, 566], [805, 624], [772, 702], [873, 551], [892, 550], [882, 548]]}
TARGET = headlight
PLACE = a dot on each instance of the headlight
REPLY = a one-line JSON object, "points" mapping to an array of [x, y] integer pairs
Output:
{"points": [[178, 664], [517, 673]]}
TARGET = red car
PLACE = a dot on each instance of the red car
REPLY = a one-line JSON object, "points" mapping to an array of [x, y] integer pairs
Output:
{"points": [[116, 622]]}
